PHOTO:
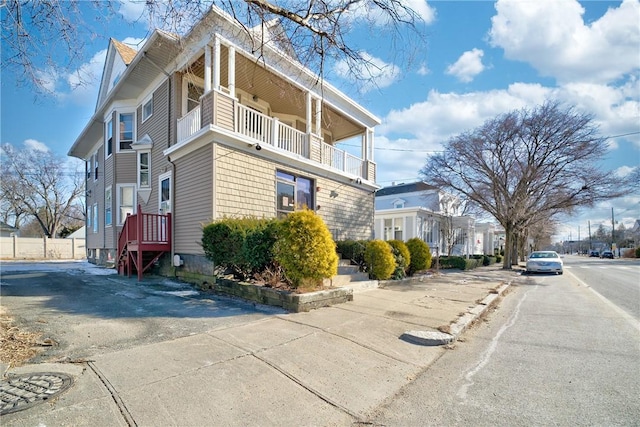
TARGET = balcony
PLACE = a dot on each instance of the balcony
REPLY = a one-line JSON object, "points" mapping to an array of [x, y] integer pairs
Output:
{"points": [[219, 109]]}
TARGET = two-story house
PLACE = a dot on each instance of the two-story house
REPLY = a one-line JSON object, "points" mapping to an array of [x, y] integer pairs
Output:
{"points": [[417, 209], [219, 122]]}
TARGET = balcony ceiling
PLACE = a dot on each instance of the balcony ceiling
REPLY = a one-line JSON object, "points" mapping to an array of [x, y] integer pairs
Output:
{"points": [[282, 96]]}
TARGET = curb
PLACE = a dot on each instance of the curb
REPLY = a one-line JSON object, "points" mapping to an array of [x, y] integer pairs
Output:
{"points": [[435, 338]]}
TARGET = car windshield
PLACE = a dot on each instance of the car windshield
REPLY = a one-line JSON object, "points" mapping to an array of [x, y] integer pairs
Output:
{"points": [[544, 255]]}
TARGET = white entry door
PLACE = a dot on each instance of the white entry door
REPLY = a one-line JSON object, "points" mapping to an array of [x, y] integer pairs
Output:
{"points": [[164, 196]]}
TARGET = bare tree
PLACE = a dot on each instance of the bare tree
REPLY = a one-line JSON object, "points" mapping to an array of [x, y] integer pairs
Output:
{"points": [[45, 38], [39, 184], [525, 167]]}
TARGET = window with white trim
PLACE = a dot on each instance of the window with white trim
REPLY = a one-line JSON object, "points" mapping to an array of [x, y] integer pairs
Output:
{"points": [[95, 217], [144, 169], [126, 200], [108, 138], [87, 168], [108, 205], [292, 192], [95, 166], [89, 216], [147, 109], [126, 130]]}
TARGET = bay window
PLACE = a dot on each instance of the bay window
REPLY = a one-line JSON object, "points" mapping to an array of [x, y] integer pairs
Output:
{"points": [[126, 130]]}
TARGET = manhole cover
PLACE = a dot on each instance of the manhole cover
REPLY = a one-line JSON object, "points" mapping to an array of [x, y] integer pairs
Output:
{"points": [[18, 392]]}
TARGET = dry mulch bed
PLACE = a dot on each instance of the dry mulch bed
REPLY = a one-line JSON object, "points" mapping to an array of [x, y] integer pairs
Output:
{"points": [[17, 347]]}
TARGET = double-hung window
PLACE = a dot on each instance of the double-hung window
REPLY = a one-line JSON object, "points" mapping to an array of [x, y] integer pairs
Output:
{"points": [[95, 166], [87, 167], [89, 216], [147, 109], [108, 204], [293, 192], [144, 169], [126, 201], [95, 217], [126, 130], [108, 138]]}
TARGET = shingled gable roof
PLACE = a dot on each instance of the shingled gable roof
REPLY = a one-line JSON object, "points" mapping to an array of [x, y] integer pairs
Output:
{"points": [[127, 53], [405, 188]]}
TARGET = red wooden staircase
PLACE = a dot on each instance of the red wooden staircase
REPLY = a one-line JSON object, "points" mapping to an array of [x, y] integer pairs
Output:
{"points": [[143, 239]]}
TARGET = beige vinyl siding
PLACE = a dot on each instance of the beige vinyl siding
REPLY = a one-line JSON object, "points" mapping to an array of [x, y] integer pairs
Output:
{"points": [[156, 127], [110, 233], [245, 184], [126, 167], [224, 106], [192, 199], [96, 240]]}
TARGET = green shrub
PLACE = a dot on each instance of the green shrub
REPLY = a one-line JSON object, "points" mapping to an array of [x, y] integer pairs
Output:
{"points": [[379, 259], [498, 258], [352, 250], [453, 262], [485, 260], [257, 250], [305, 249], [420, 255], [223, 240], [638, 252], [402, 257]]}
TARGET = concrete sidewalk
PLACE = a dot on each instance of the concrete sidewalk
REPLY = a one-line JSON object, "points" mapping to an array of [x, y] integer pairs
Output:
{"points": [[331, 366]]}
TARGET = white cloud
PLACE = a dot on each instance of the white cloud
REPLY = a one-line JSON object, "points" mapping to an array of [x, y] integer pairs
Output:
{"points": [[132, 11], [553, 37], [423, 70], [85, 81], [374, 15], [467, 66], [426, 125], [32, 144], [372, 72], [623, 171]]}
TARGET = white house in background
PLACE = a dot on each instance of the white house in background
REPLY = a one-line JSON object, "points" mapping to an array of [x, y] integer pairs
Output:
{"points": [[417, 209]]}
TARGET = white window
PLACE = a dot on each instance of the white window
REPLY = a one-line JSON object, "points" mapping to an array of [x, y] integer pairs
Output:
{"points": [[144, 169], [108, 204], [164, 200], [95, 166], [88, 167], [126, 130], [126, 201], [95, 217], [293, 192], [398, 204], [89, 217], [147, 109], [108, 138]]}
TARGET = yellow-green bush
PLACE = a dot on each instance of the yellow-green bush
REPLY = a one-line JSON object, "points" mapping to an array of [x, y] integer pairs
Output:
{"points": [[402, 257], [305, 249], [379, 259], [420, 255]]}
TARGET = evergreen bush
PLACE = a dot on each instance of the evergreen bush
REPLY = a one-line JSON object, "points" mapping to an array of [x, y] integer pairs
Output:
{"points": [[257, 250], [638, 252], [379, 260], [402, 257], [223, 240], [305, 249], [420, 255]]}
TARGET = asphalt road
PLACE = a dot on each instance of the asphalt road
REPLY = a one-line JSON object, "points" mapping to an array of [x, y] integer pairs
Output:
{"points": [[554, 353], [618, 280], [88, 310]]}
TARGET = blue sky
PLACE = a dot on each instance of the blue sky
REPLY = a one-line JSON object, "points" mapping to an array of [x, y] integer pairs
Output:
{"points": [[478, 59]]}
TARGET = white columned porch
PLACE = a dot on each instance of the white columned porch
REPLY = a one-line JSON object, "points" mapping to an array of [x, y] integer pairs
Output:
{"points": [[216, 62], [232, 71], [207, 68], [309, 112]]}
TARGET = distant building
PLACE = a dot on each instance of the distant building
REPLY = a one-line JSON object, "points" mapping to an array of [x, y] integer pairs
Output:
{"points": [[7, 230], [417, 209]]}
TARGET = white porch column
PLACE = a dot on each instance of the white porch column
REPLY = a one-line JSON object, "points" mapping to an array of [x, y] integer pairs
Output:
{"points": [[308, 108], [367, 144], [207, 68], [216, 63], [319, 117], [232, 71]]}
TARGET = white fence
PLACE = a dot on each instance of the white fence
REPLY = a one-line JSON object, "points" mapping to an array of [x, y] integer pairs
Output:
{"points": [[41, 248]]}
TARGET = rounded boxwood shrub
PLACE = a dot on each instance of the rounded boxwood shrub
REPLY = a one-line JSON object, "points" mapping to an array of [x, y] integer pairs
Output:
{"points": [[379, 260], [420, 255], [305, 249], [402, 257]]}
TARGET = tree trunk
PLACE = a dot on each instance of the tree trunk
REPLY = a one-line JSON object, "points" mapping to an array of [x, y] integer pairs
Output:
{"points": [[508, 247]]}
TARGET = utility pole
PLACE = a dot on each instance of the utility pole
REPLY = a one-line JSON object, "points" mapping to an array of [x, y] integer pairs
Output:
{"points": [[613, 230], [589, 223], [579, 242]]}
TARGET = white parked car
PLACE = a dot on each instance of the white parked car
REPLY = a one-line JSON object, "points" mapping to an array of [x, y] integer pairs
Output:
{"points": [[544, 262]]}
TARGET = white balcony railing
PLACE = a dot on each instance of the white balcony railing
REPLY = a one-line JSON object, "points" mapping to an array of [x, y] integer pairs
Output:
{"points": [[269, 131], [189, 124]]}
